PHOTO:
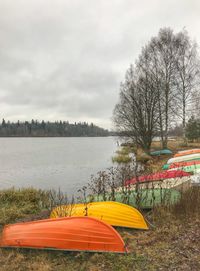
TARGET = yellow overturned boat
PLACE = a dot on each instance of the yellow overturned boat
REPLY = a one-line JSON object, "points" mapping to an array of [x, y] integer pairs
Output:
{"points": [[113, 213]]}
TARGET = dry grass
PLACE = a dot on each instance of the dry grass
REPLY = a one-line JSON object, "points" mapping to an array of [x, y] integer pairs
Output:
{"points": [[173, 145], [171, 246], [18, 204], [188, 206], [176, 144]]}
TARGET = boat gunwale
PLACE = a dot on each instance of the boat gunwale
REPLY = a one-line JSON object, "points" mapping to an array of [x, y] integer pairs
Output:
{"points": [[115, 233], [126, 250]]}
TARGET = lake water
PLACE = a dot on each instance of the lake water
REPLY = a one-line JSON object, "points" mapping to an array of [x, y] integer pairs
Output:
{"points": [[52, 163]]}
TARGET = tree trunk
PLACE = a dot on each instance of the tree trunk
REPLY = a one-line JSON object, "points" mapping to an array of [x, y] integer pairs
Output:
{"points": [[184, 116]]}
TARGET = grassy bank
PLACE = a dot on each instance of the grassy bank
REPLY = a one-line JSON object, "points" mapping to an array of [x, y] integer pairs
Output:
{"points": [[22, 204], [171, 243]]}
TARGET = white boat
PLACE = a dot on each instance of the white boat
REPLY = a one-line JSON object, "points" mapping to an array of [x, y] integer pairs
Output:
{"points": [[190, 169], [194, 171], [175, 183], [184, 158]]}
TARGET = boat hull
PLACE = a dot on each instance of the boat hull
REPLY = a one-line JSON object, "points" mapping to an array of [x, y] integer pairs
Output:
{"points": [[70, 234], [148, 198], [190, 151], [113, 213], [174, 183], [157, 177], [187, 153], [161, 152], [193, 168], [184, 158], [181, 164]]}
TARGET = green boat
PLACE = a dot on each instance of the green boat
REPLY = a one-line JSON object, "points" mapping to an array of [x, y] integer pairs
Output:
{"points": [[145, 199], [193, 168], [166, 166], [160, 152]]}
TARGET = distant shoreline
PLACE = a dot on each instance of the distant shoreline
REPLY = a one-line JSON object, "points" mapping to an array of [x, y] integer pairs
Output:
{"points": [[54, 136]]}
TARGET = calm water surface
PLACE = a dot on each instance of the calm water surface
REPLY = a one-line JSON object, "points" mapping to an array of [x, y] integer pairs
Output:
{"points": [[50, 163]]}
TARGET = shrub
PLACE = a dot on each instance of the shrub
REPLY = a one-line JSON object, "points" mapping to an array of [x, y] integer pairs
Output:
{"points": [[121, 159]]}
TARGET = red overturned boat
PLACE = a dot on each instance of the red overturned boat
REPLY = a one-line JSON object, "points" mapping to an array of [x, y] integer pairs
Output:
{"points": [[158, 176], [71, 234]]}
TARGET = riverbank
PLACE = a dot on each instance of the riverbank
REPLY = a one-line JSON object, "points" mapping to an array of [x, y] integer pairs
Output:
{"points": [[171, 243]]}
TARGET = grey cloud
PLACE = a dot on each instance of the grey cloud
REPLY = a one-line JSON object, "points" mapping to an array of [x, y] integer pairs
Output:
{"points": [[65, 59]]}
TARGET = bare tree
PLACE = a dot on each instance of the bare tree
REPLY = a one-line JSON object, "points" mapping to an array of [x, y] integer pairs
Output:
{"points": [[164, 53], [187, 65], [135, 114], [157, 90]]}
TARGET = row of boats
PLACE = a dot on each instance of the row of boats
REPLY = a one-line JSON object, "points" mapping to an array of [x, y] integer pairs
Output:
{"points": [[90, 226], [187, 161], [184, 166]]}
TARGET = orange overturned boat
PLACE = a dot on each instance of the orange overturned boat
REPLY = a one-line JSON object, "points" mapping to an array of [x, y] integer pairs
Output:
{"points": [[187, 152], [67, 234]]}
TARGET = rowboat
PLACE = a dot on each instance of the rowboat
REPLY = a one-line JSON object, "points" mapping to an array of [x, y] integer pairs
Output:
{"points": [[187, 152], [157, 177], [182, 164], [160, 152], [193, 168], [184, 158], [144, 198], [70, 234], [113, 213], [178, 183]]}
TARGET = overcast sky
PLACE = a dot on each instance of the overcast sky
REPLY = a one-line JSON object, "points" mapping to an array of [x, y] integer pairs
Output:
{"points": [[65, 59]]}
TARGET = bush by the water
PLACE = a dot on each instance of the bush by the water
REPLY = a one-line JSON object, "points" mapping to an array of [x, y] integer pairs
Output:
{"points": [[121, 158], [122, 155]]}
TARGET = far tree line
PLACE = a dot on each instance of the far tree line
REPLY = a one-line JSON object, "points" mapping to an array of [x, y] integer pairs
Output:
{"points": [[36, 128], [160, 89]]}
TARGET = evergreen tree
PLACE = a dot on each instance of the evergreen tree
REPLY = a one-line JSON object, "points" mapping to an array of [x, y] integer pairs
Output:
{"points": [[192, 130]]}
